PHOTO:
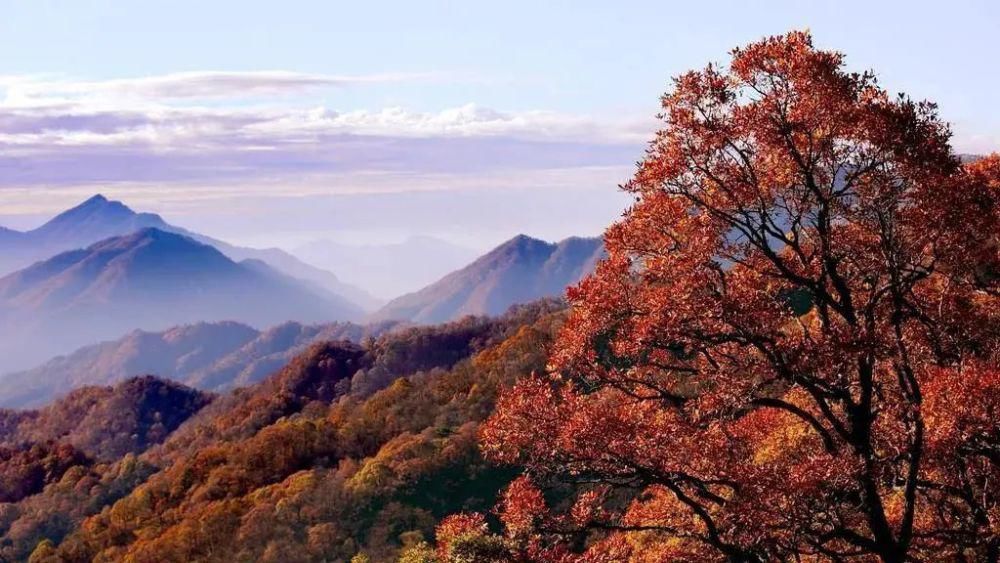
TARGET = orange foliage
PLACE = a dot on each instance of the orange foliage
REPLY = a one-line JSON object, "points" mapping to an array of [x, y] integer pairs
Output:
{"points": [[790, 352], [303, 468]]}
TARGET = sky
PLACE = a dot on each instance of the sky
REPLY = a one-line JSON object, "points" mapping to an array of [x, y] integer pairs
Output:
{"points": [[276, 123]]}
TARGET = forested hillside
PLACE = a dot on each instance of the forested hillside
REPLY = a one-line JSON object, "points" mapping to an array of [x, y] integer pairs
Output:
{"points": [[77, 455], [787, 348], [347, 450]]}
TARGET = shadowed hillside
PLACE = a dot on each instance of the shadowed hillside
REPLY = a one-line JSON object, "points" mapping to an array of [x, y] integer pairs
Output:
{"points": [[106, 423], [210, 356], [89, 426]]}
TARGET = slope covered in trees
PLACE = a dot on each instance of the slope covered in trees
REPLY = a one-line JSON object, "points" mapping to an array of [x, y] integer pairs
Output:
{"points": [[346, 450], [66, 460], [105, 423], [791, 352]]}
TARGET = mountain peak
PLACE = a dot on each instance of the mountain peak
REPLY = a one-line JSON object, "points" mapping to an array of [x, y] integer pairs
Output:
{"points": [[98, 203], [96, 218], [149, 279], [520, 244], [95, 199], [522, 238], [520, 270]]}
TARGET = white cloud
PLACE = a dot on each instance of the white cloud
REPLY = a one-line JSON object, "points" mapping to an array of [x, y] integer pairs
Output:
{"points": [[170, 108]]}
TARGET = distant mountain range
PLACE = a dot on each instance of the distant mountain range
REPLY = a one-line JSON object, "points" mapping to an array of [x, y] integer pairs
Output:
{"points": [[210, 356], [388, 270], [520, 270], [147, 274], [93, 220], [149, 279], [99, 218]]}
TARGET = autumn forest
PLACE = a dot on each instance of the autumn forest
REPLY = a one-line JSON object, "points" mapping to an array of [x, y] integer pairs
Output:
{"points": [[786, 349]]}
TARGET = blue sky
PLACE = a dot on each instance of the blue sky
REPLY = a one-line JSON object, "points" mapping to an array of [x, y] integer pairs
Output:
{"points": [[217, 113]]}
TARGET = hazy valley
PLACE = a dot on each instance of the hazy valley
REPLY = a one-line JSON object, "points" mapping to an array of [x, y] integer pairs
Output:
{"points": [[158, 278]]}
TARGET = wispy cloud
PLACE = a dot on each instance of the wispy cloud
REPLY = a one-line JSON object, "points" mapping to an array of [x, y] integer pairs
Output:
{"points": [[203, 85], [199, 144], [157, 129]]}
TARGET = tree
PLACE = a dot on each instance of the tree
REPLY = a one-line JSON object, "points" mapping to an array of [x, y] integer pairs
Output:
{"points": [[790, 351]]}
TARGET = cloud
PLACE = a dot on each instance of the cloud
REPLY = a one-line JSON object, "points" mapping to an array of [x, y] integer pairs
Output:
{"points": [[59, 133], [195, 145], [470, 120], [227, 152], [76, 124], [34, 90]]}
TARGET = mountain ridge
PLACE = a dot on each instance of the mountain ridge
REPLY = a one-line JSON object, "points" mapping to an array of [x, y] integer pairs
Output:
{"points": [[335, 446], [99, 218], [149, 279], [146, 407], [214, 356], [520, 270]]}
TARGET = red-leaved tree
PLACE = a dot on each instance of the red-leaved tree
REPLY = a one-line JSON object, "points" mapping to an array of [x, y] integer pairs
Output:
{"points": [[791, 350]]}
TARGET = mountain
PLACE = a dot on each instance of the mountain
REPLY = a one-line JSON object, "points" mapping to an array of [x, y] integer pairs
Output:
{"points": [[93, 220], [6, 233], [150, 279], [99, 218], [321, 280], [170, 354], [212, 356], [388, 270], [520, 270]]}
